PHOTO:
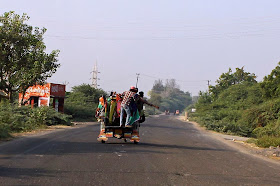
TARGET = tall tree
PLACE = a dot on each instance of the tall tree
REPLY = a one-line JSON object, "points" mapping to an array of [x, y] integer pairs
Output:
{"points": [[169, 96], [229, 78], [158, 86], [271, 83], [170, 87], [23, 60], [90, 93]]}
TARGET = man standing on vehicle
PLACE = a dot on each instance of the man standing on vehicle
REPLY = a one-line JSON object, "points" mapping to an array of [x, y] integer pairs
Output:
{"points": [[140, 104], [127, 98]]}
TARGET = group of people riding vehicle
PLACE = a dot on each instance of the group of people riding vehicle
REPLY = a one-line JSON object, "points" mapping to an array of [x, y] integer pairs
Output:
{"points": [[120, 115]]}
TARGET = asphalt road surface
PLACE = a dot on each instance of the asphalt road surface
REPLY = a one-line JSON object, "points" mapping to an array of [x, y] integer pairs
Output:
{"points": [[170, 152]]}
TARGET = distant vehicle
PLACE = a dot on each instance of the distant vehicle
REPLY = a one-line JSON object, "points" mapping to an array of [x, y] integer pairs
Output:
{"points": [[166, 112], [177, 112]]}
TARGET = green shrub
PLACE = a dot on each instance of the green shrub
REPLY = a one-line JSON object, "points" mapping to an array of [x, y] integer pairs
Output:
{"points": [[243, 108], [11, 119], [80, 111], [4, 131], [48, 116], [151, 111], [263, 114], [271, 129], [267, 141], [252, 140], [22, 119]]}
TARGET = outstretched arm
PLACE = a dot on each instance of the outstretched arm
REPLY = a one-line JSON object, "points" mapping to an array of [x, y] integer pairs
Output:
{"points": [[146, 102]]}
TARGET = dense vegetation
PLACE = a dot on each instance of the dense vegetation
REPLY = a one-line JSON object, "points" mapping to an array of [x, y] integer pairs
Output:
{"points": [[168, 97], [239, 104], [23, 119], [82, 102]]}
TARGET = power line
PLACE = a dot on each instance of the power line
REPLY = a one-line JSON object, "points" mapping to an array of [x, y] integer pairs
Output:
{"points": [[249, 27], [181, 24], [231, 35], [184, 81]]}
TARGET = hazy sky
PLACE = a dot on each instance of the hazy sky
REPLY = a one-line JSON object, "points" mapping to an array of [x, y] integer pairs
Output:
{"points": [[191, 41]]}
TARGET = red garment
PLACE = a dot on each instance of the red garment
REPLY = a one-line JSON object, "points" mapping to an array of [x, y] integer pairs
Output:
{"points": [[128, 95]]}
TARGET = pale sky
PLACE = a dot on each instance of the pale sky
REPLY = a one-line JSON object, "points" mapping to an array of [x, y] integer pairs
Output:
{"points": [[191, 41]]}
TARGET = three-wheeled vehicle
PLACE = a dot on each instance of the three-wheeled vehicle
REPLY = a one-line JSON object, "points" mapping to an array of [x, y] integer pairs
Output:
{"points": [[108, 114]]}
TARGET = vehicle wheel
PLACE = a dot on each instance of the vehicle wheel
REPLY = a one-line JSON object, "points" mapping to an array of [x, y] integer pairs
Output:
{"points": [[136, 142], [125, 140], [102, 141]]}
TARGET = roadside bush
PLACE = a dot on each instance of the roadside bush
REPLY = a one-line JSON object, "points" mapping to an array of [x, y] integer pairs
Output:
{"points": [[267, 141], [47, 116], [4, 131], [269, 130], [19, 123], [80, 112], [5, 118], [56, 118], [263, 119], [22, 119], [240, 105], [152, 111], [12, 119], [228, 112]]}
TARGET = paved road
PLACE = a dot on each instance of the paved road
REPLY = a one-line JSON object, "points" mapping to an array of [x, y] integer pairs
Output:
{"points": [[171, 152]]}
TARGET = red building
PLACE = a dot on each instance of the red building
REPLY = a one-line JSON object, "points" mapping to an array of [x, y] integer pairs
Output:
{"points": [[45, 95]]}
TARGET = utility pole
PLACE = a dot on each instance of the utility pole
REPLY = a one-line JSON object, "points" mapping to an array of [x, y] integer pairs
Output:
{"points": [[137, 74], [208, 85], [94, 76]]}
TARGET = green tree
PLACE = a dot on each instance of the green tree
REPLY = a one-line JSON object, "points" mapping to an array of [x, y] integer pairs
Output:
{"points": [[271, 83], [82, 102], [169, 96], [158, 86], [229, 78], [90, 93], [23, 60], [204, 102]]}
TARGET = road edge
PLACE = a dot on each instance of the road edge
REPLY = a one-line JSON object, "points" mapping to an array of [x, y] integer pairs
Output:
{"points": [[238, 143]]}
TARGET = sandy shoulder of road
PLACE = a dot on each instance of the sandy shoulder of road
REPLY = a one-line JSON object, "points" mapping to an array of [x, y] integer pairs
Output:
{"points": [[240, 143]]}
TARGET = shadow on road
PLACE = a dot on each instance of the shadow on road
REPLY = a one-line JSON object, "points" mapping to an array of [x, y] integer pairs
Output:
{"points": [[72, 147], [165, 146], [168, 127]]}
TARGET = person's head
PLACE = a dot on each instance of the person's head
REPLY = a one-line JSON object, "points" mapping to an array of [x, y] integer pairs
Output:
{"points": [[102, 100], [141, 94], [133, 89]]}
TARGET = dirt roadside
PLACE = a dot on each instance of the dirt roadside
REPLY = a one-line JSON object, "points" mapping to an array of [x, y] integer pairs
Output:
{"points": [[271, 154]]}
